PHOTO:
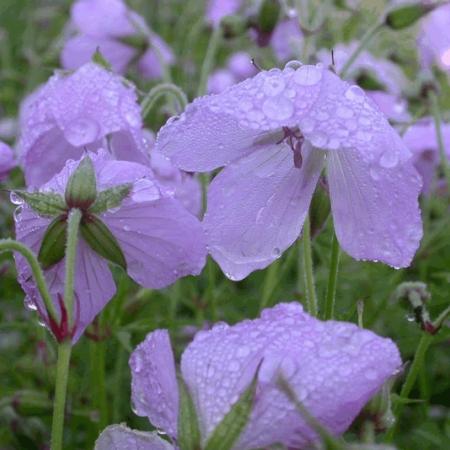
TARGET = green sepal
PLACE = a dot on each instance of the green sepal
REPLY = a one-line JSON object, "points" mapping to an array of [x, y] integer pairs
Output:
{"points": [[407, 15], [319, 210], [137, 41], [228, 431], [53, 245], [46, 204], [268, 15], [110, 198], [100, 60], [81, 189], [97, 235], [188, 429]]}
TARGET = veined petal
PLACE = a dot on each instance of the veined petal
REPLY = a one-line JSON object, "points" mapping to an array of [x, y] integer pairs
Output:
{"points": [[256, 207], [154, 384], [333, 367], [375, 202], [160, 239], [119, 437]]}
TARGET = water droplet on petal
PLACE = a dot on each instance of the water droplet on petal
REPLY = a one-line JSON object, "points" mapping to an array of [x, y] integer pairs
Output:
{"points": [[273, 86], [278, 108], [389, 159], [343, 112], [308, 75], [355, 94], [82, 131]]}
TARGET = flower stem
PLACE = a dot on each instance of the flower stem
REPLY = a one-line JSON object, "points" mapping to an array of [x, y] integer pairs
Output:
{"points": [[97, 353], [418, 361], [437, 123], [59, 403], [38, 274], [73, 225], [328, 312], [371, 32], [270, 282], [208, 62], [158, 91], [311, 297]]}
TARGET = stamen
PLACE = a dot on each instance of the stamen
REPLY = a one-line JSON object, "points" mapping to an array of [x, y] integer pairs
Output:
{"points": [[295, 140]]}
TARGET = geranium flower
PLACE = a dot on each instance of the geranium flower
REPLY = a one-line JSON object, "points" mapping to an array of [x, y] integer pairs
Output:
{"points": [[159, 240], [216, 10], [7, 160], [393, 107], [90, 108], [287, 39], [434, 39], [238, 68], [121, 35], [333, 368], [275, 133], [421, 139]]}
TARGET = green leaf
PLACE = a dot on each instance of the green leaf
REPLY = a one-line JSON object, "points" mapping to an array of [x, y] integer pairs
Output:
{"points": [[110, 198], [101, 240], [81, 189], [319, 210], [227, 432], [53, 244], [407, 15], [100, 60], [46, 204], [188, 429]]}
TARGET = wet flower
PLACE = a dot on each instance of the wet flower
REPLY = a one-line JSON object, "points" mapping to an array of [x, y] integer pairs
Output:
{"points": [[333, 368], [275, 133], [139, 226], [121, 35], [421, 139], [7, 160], [434, 39], [238, 68], [88, 109]]}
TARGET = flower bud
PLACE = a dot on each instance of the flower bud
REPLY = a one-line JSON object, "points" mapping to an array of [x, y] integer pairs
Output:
{"points": [[319, 210], [407, 15], [233, 26], [81, 190]]}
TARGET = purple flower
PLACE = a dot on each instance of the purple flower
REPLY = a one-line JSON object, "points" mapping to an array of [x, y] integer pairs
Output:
{"points": [[275, 133], [160, 240], [110, 26], [238, 68], [421, 139], [334, 368], [287, 39], [393, 107], [218, 9], [90, 108], [7, 160], [434, 38]]}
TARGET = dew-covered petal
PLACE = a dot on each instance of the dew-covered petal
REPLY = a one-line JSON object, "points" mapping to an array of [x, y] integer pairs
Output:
{"points": [[393, 107], [256, 207], [81, 109], [7, 160], [119, 437], [94, 285], [160, 239], [79, 50], [375, 202], [102, 18], [333, 367], [154, 383]]}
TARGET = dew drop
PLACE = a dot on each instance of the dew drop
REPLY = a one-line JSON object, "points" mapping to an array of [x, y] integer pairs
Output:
{"points": [[308, 75], [343, 112], [82, 131], [388, 159], [278, 108], [355, 94], [273, 86]]}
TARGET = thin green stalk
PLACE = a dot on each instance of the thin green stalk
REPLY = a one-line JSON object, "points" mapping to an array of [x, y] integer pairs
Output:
{"points": [[38, 274], [210, 289], [438, 122], [208, 62], [418, 361], [98, 376], [158, 91], [73, 225], [371, 32], [311, 297], [59, 403], [270, 282], [328, 312], [118, 371]]}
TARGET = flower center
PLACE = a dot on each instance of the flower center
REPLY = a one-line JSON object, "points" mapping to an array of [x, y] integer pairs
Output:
{"points": [[295, 139]]}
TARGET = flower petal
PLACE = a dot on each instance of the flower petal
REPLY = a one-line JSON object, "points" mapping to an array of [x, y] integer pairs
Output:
{"points": [[375, 202], [154, 384], [333, 367], [119, 437], [7, 160], [256, 207], [160, 239]]}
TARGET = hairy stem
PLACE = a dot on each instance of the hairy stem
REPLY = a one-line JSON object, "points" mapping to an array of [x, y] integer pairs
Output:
{"points": [[160, 90], [59, 403], [208, 62], [38, 274], [311, 297], [330, 300]]}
